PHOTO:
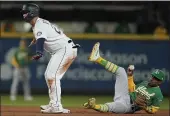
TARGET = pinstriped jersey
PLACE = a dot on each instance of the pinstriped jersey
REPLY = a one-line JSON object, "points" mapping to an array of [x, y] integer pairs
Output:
{"points": [[54, 36]]}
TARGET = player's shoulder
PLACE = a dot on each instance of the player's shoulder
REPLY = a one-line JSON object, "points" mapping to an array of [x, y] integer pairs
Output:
{"points": [[41, 22], [159, 91]]}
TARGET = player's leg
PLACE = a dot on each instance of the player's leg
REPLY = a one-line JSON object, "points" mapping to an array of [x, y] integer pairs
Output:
{"points": [[58, 65], [116, 107], [58, 89], [51, 69], [15, 82], [95, 57], [121, 85], [26, 85]]}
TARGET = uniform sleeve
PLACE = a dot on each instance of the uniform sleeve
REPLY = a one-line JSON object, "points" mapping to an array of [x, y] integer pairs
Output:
{"points": [[39, 31], [131, 84], [157, 101]]}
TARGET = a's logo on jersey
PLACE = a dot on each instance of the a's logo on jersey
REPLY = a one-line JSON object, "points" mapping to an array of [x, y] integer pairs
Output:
{"points": [[142, 90], [39, 33]]}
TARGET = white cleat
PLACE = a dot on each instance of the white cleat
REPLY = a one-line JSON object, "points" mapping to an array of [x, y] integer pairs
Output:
{"points": [[28, 98], [13, 98], [95, 53], [66, 111], [43, 107], [55, 110]]}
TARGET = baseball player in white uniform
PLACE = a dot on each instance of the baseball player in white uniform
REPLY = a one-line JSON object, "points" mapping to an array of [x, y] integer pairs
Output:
{"points": [[63, 51]]}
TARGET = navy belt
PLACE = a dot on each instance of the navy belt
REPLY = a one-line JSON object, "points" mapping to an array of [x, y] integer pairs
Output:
{"points": [[69, 41], [75, 46]]}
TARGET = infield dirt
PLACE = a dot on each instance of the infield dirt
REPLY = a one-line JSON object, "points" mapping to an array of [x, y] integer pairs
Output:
{"points": [[35, 111]]}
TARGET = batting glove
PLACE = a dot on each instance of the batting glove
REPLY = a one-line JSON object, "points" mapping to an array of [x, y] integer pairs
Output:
{"points": [[37, 56]]}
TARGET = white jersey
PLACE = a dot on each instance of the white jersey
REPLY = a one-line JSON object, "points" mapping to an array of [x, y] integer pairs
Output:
{"points": [[54, 37]]}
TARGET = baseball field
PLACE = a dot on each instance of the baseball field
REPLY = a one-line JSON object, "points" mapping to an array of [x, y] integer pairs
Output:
{"points": [[72, 102]]}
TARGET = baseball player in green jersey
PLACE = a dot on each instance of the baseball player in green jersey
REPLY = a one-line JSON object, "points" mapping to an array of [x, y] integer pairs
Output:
{"points": [[128, 97], [20, 62]]}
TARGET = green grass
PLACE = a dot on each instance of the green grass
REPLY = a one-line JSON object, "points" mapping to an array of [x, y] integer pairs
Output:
{"points": [[67, 100]]}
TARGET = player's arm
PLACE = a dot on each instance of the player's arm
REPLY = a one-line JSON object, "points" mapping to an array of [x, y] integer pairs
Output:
{"points": [[131, 84], [40, 45], [40, 36], [39, 48], [14, 61], [142, 102], [155, 105]]}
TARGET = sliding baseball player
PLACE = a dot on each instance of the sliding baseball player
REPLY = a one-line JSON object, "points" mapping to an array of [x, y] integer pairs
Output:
{"points": [[128, 97]]}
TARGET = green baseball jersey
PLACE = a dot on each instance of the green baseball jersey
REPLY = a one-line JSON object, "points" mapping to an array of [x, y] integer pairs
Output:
{"points": [[22, 57], [153, 94]]}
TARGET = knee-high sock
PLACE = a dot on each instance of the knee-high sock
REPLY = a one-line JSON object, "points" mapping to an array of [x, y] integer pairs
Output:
{"points": [[101, 108], [107, 65]]}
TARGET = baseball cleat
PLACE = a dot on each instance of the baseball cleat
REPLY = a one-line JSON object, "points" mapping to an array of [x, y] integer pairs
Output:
{"points": [[90, 104], [13, 98], [28, 98], [95, 53], [55, 110], [86, 105], [43, 107]]}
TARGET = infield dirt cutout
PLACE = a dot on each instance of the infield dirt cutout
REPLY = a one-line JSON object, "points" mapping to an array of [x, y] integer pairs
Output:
{"points": [[35, 111]]}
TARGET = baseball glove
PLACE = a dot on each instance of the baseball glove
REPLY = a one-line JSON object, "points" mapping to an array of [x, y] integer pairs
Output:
{"points": [[141, 101]]}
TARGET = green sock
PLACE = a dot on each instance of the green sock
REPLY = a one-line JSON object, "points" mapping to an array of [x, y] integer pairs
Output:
{"points": [[108, 65], [101, 108]]}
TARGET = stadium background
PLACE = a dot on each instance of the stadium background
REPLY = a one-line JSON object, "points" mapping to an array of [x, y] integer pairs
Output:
{"points": [[130, 33]]}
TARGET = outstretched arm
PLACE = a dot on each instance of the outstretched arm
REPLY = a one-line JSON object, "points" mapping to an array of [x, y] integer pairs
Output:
{"points": [[131, 84], [155, 105]]}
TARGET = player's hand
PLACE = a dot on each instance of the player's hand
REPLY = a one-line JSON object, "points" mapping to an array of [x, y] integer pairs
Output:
{"points": [[130, 70], [37, 56]]}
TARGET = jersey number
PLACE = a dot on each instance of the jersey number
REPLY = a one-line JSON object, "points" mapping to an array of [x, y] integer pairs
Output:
{"points": [[59, 32], [45, 21]]}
